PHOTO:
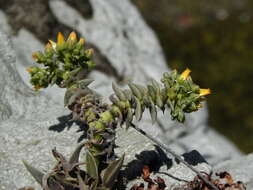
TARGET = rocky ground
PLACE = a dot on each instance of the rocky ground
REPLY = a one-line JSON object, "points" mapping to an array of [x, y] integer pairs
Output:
{"points": [[32, 123]]}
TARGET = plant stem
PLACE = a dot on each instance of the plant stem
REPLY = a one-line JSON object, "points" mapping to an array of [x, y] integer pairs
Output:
{"points": [[175, 155]]}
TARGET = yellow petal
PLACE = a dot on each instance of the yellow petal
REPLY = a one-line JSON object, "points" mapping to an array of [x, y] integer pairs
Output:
{"points": [[48, 46], [204, 92], [81, 41], [72, 36], [60, 38], [29, 69], [53, 44], [200, 106], [185, 74], [89, 52], [34, 56]]}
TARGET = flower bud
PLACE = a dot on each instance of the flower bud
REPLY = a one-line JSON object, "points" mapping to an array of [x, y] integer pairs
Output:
{"points": [[185, 74]]}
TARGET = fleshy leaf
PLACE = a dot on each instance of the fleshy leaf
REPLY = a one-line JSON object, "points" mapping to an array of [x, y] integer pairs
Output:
{"points": [[75, 155], [84, 83], [135, 90], [110, 174], [67, 96], [138, 110], [153, 113], [37, 175], [119, 93], [91, 165]]}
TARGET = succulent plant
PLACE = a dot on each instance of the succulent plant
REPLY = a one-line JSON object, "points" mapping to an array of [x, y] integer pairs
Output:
{"points": [[63, 63], [68, 175]]}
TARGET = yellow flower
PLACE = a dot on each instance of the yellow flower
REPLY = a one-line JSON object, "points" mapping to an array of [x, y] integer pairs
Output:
{"points": [[199, 106], [81, 41], [204, 92], [29, 69], [72, 36], [89, 52], [48, 46], [53, 44], [35, 56], [185, 74], [60, 38]]}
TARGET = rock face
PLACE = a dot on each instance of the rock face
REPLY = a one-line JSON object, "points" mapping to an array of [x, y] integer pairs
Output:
{"points": [[32, 123]]}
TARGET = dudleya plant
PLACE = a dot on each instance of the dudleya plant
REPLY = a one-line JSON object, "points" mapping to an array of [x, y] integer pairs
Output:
{"points": [[63, 63]]}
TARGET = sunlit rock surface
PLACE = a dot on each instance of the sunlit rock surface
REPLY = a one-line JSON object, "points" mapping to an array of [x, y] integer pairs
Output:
{"points": [[32, 123]]}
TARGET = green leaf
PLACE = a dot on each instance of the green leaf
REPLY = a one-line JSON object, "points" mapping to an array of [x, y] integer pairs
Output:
{"points": [[159, 102], [119, 93], [129, 118], [135, 90], [151, 91], [37, 175], [84, 83], [138, 110], [113, 99], [142, 89], [128, 94], [91, 165], [155, 84], [67, 96], [181, 116], [153, 113], [75, 155], [110, 174]]}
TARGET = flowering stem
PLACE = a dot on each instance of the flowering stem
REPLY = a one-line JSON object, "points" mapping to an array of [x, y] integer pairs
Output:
{"points": [[175, 155]]}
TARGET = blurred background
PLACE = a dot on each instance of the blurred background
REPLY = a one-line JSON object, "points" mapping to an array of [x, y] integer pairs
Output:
{"points": [[212, 38]]}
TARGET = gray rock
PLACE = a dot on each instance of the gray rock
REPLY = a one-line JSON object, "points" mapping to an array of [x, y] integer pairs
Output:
{"points": [[27, 117], [3, 23]]}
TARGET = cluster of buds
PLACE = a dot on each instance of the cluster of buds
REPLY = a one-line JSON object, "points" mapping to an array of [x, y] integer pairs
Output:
{"points": [[178, 93], [62, 62]]}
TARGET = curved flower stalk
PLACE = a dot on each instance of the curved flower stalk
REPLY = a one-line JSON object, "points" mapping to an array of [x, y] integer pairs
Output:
{"points": [[177, 92], [64, 64]]}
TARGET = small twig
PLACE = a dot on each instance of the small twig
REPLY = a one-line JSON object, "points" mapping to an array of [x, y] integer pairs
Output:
{"points": [[176, 178], [175, 155]]}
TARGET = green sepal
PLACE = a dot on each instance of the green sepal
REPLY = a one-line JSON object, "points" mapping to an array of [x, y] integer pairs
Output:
{"points": [[110, 174], [119, 93], [74, 158], [135, 90], [92, 165], [138, 109]]}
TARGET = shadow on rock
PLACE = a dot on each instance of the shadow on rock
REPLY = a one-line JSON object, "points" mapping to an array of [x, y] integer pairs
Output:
{"points": [[154, 159], [193, 158], [67, 122], [157, 158]]}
